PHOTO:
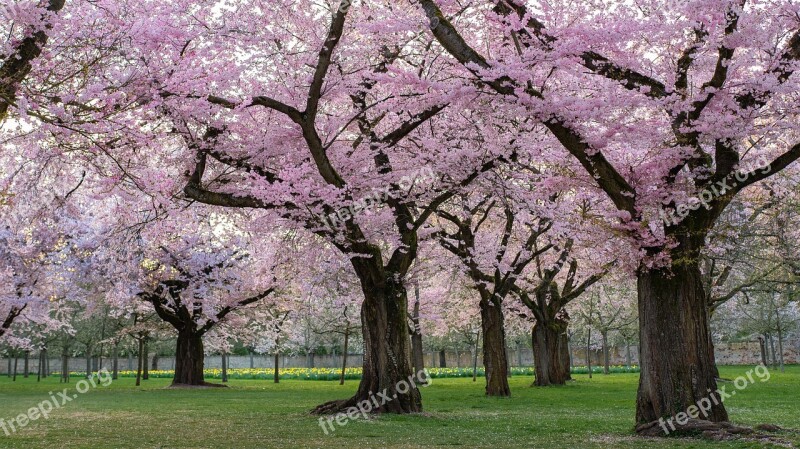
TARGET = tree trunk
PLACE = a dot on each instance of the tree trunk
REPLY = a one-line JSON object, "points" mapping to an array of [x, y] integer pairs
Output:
{"points": [[495, 356], [115, 363], [570, 357], [344, 355], [417, 355], [140, 363], [26, 364], [65, 367], [442, 359], [145, 357], [387, 363], [88, 362], [276, 373], [628, 361], [589, 352], [475, 357], [606, 357], [189, 359], [675, 358], [550, 357], [762, 344], [780, 338], [154, 365], [508, 362], [224, 367], [771, 346]]}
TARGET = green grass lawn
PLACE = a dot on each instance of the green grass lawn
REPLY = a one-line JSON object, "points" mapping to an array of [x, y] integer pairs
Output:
{"points": [[258, 414]]}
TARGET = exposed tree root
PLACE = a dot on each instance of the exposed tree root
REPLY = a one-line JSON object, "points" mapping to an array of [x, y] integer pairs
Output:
{"points": [[717, 431], [333, 407], [370, 405], [202, 385]]}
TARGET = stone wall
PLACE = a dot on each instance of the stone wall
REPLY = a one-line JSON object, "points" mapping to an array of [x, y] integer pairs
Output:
{"points": [[745, 353]]}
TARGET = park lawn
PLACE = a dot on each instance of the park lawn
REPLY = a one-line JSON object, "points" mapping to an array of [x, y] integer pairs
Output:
{"points": [[259, 414]]}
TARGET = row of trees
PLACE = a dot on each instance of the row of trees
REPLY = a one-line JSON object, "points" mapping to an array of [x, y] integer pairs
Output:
{"points": [[191, 162], [605, 319]]}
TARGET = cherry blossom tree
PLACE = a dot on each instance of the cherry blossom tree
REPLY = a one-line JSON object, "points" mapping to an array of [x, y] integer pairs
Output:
{"points": [[609, 308], [27, 29], [689, 105], [341, 123], [195, 272], [515, 240]]}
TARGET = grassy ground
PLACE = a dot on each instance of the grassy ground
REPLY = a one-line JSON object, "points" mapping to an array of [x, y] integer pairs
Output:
{"points": [[259, 414]]}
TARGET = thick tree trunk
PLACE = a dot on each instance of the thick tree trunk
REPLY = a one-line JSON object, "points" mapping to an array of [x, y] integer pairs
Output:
{"points": [[189, 359], [442, 359], [495, 356], [387, 375], [550, 356], [677, 369]]}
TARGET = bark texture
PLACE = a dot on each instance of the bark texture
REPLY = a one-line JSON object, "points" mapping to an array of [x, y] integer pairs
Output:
{"points": [[677, 364], [495, 356], [189, 359], [387, 373], [550, 352]]}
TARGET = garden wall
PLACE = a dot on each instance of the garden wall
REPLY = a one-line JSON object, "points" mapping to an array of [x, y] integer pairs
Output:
{"points": [[745, 353]]}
